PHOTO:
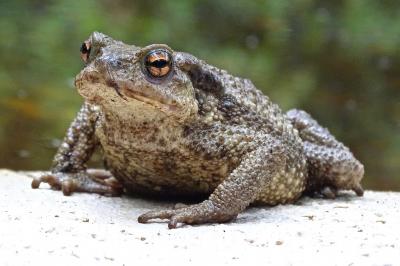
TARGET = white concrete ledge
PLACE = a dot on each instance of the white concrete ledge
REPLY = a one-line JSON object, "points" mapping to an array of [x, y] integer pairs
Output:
{"points": [[42, 227]]}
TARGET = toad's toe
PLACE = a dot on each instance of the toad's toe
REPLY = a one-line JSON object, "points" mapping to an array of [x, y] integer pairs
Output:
{"points": [[204, 212], [358, 189], [329, 192], [79, 182]]}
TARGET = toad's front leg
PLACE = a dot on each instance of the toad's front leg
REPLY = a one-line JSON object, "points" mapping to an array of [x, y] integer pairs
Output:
{"points": [[69, 172], [235, 193]]}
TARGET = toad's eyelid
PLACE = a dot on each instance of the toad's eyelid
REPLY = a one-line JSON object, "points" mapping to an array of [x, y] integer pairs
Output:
{"points": [[145, 50]]}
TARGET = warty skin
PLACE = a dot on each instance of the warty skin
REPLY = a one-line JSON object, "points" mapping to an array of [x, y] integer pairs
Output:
{"points": [[169, 124]]}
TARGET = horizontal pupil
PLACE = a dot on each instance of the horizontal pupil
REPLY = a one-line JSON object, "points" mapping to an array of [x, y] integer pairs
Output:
{"points": [[159, 63]]}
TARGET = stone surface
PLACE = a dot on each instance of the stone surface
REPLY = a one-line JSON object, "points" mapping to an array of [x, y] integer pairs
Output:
{"points": [[43, 227]]}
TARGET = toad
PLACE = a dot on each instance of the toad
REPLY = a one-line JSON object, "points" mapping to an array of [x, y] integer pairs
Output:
{"points": [[169, 124]]}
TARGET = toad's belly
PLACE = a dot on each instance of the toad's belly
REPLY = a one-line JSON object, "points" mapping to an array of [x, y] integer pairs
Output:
{"points": [[178, 174], [172, 172], [153, 161]]}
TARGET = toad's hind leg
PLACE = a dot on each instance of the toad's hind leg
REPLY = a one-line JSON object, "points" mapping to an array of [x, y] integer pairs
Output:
{"points": [[331, 165]]}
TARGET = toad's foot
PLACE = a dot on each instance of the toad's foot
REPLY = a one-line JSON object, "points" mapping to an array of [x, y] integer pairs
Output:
{"points": [[204, 212], [326, 192], [358, 189], [330, 192], [92, 181]]}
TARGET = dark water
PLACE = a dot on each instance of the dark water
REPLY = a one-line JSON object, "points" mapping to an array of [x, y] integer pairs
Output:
{"points": [[339, 60]]}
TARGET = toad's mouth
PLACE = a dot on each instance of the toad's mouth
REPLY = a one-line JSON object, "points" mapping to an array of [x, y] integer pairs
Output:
{"points": [[88, 81], [127, 92]]}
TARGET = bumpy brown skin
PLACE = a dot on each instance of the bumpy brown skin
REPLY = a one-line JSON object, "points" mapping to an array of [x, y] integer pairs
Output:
{"points": [[197, 131]]}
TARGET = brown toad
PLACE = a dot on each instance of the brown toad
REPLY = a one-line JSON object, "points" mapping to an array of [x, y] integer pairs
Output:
{"points": [[171, 125]]}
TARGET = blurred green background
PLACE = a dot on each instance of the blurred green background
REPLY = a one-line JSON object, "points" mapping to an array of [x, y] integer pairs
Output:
{"points": [[338, 60]]}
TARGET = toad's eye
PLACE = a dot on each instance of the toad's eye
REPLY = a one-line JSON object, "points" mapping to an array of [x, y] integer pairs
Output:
{"points": [[158, 63], [85, 51]]}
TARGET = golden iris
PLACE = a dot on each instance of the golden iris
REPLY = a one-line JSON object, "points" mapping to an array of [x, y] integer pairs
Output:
{"points": [[158, 63]]}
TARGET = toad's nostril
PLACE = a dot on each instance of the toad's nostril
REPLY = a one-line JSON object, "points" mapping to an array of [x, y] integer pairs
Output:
{"points": [[85, 51]]}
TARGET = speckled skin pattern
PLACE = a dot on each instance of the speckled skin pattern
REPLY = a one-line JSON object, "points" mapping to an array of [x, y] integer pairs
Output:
{"points": [[197, 131]]}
